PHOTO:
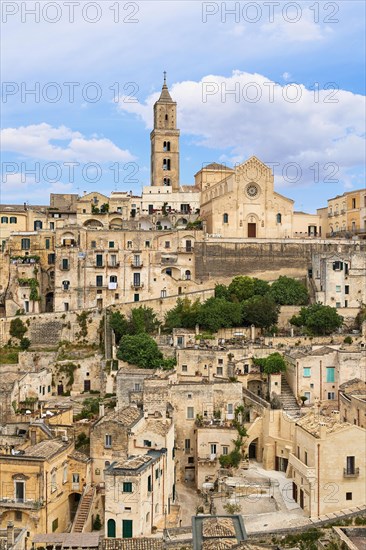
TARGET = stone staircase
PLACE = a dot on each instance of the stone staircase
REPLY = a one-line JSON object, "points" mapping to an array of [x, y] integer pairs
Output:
{"points": [[288, 400], [83, 511]]}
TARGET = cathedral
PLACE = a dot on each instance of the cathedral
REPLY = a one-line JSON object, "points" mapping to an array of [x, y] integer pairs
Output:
{"points": [[233, 203]]}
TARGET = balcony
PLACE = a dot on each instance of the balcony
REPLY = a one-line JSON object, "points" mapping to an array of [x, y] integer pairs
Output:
{"points": [[301, 468], [20, 504], [139, 285], [99, 265], [115, 264], [136, 265], [64, 267], [112, 286], [354, 472]]}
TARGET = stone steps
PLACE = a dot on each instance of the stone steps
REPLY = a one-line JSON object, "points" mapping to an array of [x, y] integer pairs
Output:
{"points": [[83, 511]]}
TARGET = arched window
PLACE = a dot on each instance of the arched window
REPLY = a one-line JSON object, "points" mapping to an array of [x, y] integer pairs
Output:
{"points": [[111, 528], [166, 117], [166, 146], [225, 218], [4, 219], [279, 218], [38, 225], [13, 219], [188, 275], [166, 164], [66, 285], [167, 182], [113, 279]]}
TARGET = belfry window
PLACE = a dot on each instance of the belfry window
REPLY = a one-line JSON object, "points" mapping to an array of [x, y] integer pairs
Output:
{"points": [[166, 164], [166, 146], [166, 182]]}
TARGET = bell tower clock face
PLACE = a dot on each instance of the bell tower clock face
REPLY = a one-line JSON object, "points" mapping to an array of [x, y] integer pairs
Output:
{"points": [[252, 190]]}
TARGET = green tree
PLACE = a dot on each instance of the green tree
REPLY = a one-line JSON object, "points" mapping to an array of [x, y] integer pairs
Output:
{"points": [[119, 324], [24, 343], [260, 311], [183, 315], [17, 328], [318, 319], [216, 313], [241, 288], [143, 319], [260, 287], [289, 292], [222, 291], [274, 364], [142, 350]]}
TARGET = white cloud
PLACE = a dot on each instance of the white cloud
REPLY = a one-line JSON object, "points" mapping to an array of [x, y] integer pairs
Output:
{"points": [[38, 141], [221, 114], [15, 187]]}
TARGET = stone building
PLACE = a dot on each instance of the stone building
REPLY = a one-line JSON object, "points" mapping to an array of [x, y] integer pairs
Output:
{"points": [[319, 373], [352, 402], [345, 215], [40, 486], [327, 465]]}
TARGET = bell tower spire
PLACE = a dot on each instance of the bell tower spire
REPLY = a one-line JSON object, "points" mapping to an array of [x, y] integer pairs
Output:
{"points": [[165, 142]]}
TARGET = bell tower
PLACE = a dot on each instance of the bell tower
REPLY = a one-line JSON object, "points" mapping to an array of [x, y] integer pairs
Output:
{"points": [[165, 142]]}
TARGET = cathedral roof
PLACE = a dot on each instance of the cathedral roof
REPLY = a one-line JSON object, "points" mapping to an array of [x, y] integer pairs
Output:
{"points": [[165, 96]]}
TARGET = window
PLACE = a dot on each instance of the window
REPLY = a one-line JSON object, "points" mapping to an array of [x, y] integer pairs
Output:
{"points": [[166, 164], [47, 244], [166, 146], [149, 484], [305, 458], [184, 368], [167, 244], [66, 285], [189, 396], [188, 246], [330, 374], [38, 225], [25, 243], [147, 443], [93, 244], [137, 386], [13, 219], [348, 496], [219, 371], [213, 448], [187, 444], [190, 413], [338, 304], [51, 259], [187, 275], [346, 289], [225, 450], [350, 469], [220, 361], [76, 479], [111, 244], [4, 219], [230, 408], [113, 279], [127, 487], [19, 491], [353, 203], [66, 306], [331, 395], [337, 266], [191, 460], [147, 244], [52, 225], [157, 471], [136, 279], [18, 515], [65, 473], [108, 441], [306, 372], [225, 218], [65, 263], [53, 482], [338, 288], [136, 260], [129, 244], [166, 182], [99, 260], [136, 297], [54, 525], [113, 260], [99, 280], [279, 218]]}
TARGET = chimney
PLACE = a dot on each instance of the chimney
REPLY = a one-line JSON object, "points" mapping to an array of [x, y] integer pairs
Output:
{"points": [[10, 535], [101, 410]]}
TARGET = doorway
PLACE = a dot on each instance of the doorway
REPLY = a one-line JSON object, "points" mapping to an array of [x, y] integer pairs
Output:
{"points": [[127, 528], [252, 230]]}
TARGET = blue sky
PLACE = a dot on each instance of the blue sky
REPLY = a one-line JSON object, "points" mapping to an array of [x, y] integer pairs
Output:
{"points": [[295, 70]]}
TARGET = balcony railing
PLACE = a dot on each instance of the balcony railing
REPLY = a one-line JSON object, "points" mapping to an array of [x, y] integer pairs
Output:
{"points": [[111, 264], [139, 285], [354, 472], [17, 503], [136, 265]]}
